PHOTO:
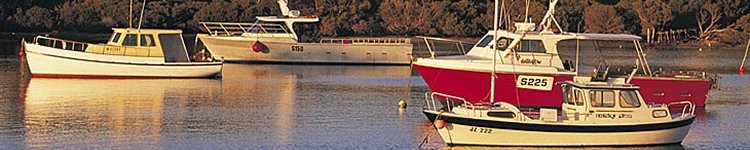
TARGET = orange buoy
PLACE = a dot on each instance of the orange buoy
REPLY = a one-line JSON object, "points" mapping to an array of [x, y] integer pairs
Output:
{"points": [[21, 53], [257, 47], [439, 123]]}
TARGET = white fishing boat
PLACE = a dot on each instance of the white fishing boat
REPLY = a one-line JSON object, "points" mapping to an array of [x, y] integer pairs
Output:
{"points": [[129, 53], [593, 114], [272, 39]]}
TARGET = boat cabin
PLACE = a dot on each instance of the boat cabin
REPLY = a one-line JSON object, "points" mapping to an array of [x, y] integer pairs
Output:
{"points": [[601, 101], [144, 43], [539, 48]]}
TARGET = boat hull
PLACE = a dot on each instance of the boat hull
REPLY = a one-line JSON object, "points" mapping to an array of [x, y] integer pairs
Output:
{"points": [[239, 49], [460, 130], [57, 63], [474, 86]]}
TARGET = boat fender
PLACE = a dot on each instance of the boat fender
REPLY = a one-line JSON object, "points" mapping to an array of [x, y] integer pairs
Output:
{"points": [[257, 46], [439, 122]]}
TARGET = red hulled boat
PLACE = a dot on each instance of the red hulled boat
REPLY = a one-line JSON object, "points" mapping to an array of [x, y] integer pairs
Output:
{"points": [[528, 64]]}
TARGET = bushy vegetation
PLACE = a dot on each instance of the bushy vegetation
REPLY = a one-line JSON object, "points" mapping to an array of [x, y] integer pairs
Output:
{"points": [[708, 20]]}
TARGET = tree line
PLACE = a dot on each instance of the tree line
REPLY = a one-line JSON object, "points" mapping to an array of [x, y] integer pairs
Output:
{"points": [[727, 21]]}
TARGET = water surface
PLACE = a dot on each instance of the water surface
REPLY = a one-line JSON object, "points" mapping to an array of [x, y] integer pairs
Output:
{"points": [[282, 107]]}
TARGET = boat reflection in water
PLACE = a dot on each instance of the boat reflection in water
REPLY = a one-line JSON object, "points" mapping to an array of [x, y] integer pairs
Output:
{"points": [[253, 106], [70, 112]]}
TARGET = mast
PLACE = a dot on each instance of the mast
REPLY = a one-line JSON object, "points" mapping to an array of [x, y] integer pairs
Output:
{"points": [[494, 54]]}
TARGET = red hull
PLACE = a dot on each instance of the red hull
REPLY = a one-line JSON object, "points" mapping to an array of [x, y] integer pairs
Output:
{"points": [[475, 86], [661, 90]]}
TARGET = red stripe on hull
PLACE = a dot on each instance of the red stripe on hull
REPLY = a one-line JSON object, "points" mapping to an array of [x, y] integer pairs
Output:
{"points": [[107, 77], [475, 87]]}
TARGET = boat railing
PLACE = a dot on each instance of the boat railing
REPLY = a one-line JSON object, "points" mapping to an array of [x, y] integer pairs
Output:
{"points": [[367, 41], [688, 109], [60, 43], [233, 28], [456, 45], [432, 97]]}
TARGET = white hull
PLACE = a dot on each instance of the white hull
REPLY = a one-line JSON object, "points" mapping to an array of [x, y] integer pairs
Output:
{"points": [[51, 62], [239, 49], [455, 133]]}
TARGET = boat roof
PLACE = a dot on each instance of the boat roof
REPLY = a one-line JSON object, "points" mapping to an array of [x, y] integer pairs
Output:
{"points": [[288, 19], [148, 31], [600, 85], [568, 35]]}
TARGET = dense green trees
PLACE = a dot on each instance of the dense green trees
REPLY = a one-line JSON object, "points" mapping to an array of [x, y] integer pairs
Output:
{"points": [[707, 20]]}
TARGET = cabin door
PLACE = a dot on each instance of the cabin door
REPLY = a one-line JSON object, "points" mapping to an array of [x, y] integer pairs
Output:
{"points": [[173, 47], [574, 107]]}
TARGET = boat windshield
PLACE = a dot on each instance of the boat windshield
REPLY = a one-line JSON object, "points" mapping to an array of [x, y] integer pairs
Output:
{"points": [[485, 41], [629, 99], [619, 55], [115, 37]]}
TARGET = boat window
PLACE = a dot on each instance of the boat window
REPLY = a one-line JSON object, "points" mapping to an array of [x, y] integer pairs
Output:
{"points": [[629, 99], [579, 98], [173, 47], [116, 37], [602, 98], [147, 40], [569, 95], [534, 46], [503, 43], [130, 40], [485, 41]]}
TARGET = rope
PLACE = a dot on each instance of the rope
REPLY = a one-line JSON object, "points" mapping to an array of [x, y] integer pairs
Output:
{"points": [[408, 85], [744, 58]]}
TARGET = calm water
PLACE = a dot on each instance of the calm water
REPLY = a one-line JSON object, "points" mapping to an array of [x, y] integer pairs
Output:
{"points": [[277, 107]]}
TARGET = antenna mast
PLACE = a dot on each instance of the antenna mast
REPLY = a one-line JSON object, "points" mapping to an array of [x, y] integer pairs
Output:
{"points": [[140, 22], [130, 15]]}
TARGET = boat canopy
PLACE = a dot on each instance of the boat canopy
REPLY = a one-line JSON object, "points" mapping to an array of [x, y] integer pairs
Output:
{"points": [[147, 31], [598, 85], [288, 19], [614, 37], [567, 36]]}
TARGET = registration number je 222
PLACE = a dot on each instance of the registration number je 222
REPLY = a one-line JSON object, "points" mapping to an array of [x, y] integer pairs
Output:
{"points": [[480, 130], [535, 82]]}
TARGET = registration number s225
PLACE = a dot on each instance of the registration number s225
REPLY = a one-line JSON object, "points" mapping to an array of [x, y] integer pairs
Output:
{"points": [[535, 82]]}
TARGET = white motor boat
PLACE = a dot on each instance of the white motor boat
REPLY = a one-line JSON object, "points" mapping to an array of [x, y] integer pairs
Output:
{"points": [[272, 39], [130, 53], [593, 114]]}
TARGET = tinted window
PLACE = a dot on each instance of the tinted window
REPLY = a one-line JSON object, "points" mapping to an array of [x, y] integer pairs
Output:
{"points": [[485, 41], [532, 46], [629, 99], [602, 98], [116, 37], [130, 40], [147, 40]]}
